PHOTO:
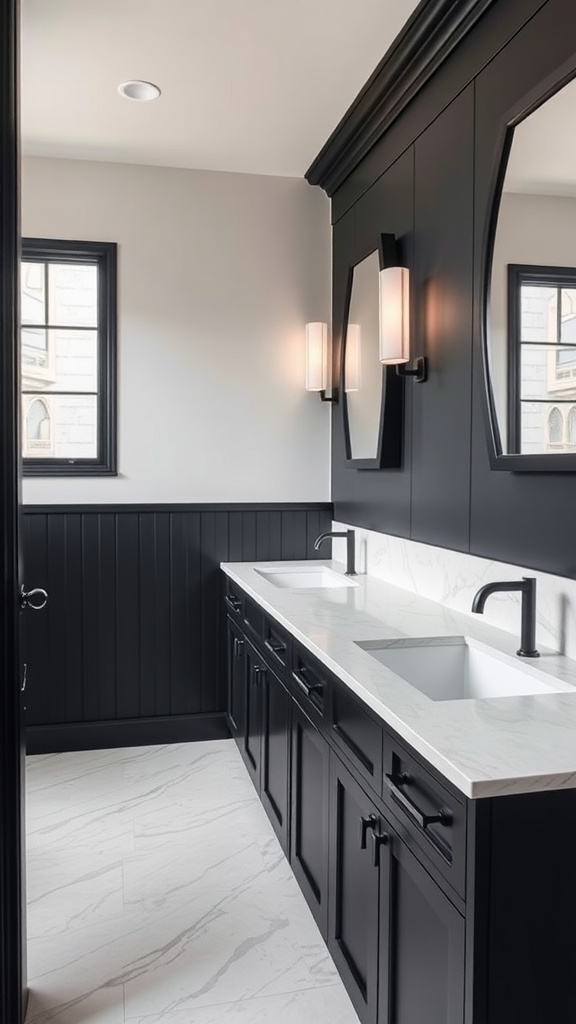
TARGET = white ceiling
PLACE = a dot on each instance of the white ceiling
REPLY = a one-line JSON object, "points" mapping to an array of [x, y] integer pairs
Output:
{"points": [[543, 155], [247, 85]]}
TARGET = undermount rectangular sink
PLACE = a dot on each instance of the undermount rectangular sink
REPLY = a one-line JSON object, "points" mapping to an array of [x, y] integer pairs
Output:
{"points": [[457, 668], [304, 577]]}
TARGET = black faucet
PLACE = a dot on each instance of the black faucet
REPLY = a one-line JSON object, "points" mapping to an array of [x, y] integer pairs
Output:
{"points": [[527, 587], [349, 534]]}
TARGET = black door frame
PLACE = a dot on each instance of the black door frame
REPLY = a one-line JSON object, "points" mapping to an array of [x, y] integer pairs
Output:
{"points": [[12, 916]]}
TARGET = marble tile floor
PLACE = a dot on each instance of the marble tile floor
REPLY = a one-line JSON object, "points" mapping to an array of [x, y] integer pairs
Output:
{"points": [[158, 894]]}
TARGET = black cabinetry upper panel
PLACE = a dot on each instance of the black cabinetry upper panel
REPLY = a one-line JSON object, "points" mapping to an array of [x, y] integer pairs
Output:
{"points": [[446, 494], [442, 286], [379, 500]]}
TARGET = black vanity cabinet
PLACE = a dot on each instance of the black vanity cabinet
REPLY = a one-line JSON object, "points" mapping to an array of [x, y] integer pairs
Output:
{"points": [[395, 936], [251, 746], [309, 835], [275, 711], [259, 708], [436, 909], [236, 680], [422, 942], [355, 835]]}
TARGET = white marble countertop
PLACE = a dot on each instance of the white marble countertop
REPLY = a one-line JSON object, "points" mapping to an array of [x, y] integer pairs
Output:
{"points": [[489, 747]]}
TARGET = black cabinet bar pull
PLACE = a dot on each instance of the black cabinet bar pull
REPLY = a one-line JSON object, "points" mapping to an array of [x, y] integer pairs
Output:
{"points": [[307, 688], [256, 673], [276, 646], [234, 603], [365, 823], [238, 645], [378, 839], [443, 817]]}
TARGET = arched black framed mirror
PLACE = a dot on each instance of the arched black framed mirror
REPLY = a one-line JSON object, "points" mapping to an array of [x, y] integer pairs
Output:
{"points": [[529, 286], [371, 393]]}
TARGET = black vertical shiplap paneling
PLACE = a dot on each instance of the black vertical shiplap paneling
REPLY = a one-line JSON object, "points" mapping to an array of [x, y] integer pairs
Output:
{"points": [[129, 590], [179, 652], [209, 613], [134, 629], [189, 694], [91, 610], [36, 626], [148, 598], [107, 602]]}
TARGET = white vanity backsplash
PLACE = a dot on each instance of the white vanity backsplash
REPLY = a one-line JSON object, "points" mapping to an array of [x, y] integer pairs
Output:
{"points": [[452, 578]]}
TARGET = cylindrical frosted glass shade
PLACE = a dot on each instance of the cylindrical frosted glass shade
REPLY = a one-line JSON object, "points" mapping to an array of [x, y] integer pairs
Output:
{"points": [[394, 315], [316, 357], [352, 365]]}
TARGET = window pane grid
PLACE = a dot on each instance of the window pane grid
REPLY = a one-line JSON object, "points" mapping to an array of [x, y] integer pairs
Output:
{"points": [[68, 379], [542, 359]]}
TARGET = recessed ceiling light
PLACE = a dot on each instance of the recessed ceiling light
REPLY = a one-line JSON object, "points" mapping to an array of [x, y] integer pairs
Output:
{"points": [[136, 90]]}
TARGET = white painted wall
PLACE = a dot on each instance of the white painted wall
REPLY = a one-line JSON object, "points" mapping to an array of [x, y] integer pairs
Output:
{"points": [[218, 274]]}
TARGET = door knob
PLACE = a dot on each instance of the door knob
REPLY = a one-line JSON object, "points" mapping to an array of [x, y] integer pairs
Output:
{"points": [[35, 599]]}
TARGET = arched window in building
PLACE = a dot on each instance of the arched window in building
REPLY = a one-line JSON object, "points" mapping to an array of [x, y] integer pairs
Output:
{"points": [[572, 426], [555, 427], [38, 421]]}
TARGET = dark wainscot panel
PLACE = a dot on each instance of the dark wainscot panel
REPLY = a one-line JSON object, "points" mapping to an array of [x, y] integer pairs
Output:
{"points": [[131, 646]]}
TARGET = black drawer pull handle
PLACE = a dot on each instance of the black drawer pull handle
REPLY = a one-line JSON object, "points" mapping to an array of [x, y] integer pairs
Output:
{"points": [[238, 645], [365, 823], [234, 603], [257, 671], [308, 688], [443, 817], [276, 646], [378, 839]]}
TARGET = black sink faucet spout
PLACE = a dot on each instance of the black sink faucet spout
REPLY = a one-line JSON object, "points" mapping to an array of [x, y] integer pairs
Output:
{"points": [[527, 587], [349, 534]]}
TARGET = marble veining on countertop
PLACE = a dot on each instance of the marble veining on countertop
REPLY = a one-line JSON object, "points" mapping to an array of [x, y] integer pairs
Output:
{"points": [[488, 747]]}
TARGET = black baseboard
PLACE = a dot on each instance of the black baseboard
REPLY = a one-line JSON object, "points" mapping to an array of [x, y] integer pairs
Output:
{"points": [[129, 732]]}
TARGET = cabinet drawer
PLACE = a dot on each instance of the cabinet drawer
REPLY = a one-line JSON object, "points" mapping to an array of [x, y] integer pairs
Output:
{"points": [[432, 816], [253, 617], [234, 599], [277, 643], [357, 734], [309, 685]]}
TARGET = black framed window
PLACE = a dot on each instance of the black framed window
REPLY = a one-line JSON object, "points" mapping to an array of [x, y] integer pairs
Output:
{"points": [[541, 359], [68, 357]]}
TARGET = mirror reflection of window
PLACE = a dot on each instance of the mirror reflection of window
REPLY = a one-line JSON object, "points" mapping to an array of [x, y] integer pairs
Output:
{"points": [[541, 357], [534, 373]]}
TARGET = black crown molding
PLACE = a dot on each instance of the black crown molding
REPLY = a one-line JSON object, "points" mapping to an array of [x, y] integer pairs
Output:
{"points": [[428, 37]]}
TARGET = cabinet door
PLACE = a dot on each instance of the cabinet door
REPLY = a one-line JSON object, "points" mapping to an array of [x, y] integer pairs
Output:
{"points": [[253, 718], [421, 944], [236, 682], [275, 753], [309, 826], [353, 888]]}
